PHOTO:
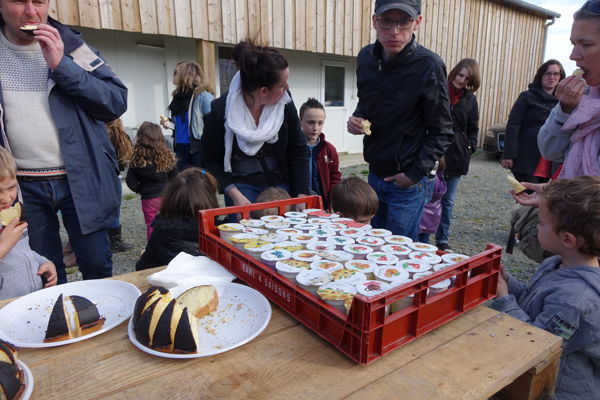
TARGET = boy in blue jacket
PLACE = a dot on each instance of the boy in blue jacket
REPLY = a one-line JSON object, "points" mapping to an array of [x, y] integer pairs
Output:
{"points": [[563, 296]]}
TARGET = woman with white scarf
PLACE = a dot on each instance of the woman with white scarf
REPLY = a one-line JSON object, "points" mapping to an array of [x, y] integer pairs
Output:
{"points": [[252, 138]]}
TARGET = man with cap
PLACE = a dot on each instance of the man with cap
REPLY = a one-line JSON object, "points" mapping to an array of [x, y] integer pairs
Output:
{"points": [[402, 91]]}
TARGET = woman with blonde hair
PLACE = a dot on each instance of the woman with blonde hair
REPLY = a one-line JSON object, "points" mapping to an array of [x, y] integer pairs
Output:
{"points": [[190, 103]]}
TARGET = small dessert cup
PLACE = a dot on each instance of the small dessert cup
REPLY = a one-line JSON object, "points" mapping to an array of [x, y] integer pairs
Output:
{"points": [[414, 266], [291, 268], [226, 231], [429, 258], [340, 241], [336, 255], [358, 251], [326, 265], [306, 255], [398, 239], [288, 245], [364, 266], [374, 242], [320, 245], [418, 246], [336, 293], [311, 279], [387, 273], [271, 257], [240, 239], [347, 275], [398, 250], [255, 249], [382, 258]]}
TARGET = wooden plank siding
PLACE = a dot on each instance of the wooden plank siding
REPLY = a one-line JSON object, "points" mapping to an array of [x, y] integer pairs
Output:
{"points": [[507, 40]]}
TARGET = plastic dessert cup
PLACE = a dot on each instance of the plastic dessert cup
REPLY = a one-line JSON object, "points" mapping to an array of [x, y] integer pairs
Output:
{"points": [[340, 241], [306, 255], [252, 223], [294, 214], [311, 279], [352, 232], [290, 268], [255, 249], [240, 239], [336, 255], [364, 266], [326, 265], [320, 245], [271, 257], [276, 225], [274, 237], [272, 218], [439, 287], [398, 239], [358, 251], [453, 258], [303, 238], [382, 258], [347, 275], [296, 220], [374, 242], [429, 258], [418, 246], [288, 245], [414, 266], [226, 231], [373, 288], [289, 231], [388, 273], [321, 233], [336, 293], [307, 227], [379, 233], [398, 250]]}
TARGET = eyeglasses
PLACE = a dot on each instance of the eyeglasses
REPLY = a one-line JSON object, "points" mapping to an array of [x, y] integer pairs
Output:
{"points": [[551, 73], [388, 23], [592, 6]]}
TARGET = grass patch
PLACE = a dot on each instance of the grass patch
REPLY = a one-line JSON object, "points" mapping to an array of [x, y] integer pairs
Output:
{"points": [[130, 196], [365, 172]]}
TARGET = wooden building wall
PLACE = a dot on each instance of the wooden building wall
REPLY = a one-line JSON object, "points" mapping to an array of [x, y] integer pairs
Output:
{"points": [[505, 39]]}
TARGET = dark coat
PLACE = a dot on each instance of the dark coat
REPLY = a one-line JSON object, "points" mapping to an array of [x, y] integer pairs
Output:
{"points": [[406, 101], [328, 165], [465, 115], [290, 149], [527, 116], [169, 238], [85, 96], [147, 182]]}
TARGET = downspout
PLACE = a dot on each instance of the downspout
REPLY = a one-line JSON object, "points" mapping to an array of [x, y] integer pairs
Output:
{"points": [[546, 35]]}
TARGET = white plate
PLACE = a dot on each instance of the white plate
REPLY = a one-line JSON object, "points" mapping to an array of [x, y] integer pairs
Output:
{"points": [[23, 322], [28, 381], [243, 313]]}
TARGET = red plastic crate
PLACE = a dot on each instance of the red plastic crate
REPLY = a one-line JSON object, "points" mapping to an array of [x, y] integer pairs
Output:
{"points": [[368, 332]]}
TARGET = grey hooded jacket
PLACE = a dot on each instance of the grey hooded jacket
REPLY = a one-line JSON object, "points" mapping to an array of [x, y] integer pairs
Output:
{"points": [[18, 270], [565, 302]]}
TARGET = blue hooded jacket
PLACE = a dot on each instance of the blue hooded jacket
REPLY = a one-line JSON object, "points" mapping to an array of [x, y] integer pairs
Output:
{"points": [[85, 95], [565, 302]]}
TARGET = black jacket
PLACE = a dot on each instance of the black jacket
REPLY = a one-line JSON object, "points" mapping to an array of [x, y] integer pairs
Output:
{"points": [[524, 122], [147, 182], [290, 149], [406, 100], [465, 115], [169, 238]]}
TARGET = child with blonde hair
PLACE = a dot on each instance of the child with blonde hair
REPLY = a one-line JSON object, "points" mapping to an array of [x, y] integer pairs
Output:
{"points": [[563, 295], [152, 166], [176, 226], [22, 270]]}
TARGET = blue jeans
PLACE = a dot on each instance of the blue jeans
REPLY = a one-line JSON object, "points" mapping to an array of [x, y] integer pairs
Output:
{"points": [[441, 236], [251, 192], [116, 224], [399, 209], [42, 201]]}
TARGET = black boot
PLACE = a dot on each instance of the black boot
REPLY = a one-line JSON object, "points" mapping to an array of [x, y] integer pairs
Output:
{"points": [[116, 244]]}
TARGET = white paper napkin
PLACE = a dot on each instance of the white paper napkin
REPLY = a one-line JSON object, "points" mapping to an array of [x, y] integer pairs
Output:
{"points": [[186, 269]]}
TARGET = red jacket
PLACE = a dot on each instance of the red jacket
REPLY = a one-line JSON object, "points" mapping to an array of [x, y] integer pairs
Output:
{"points": [[328, 165]]}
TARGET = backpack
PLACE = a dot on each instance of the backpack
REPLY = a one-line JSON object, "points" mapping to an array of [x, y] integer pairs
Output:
{"points": [[524, 220]]}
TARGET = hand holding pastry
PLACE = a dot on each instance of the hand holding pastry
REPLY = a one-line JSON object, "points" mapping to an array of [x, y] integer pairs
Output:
{"points": [[355, 125], [569, 92]]}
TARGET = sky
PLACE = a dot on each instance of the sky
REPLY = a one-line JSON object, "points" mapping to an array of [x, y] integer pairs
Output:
{"points": [[558, 45]]}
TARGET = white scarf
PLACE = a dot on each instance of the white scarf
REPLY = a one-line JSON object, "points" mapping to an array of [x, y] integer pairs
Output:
{"points": [[239, 122]]}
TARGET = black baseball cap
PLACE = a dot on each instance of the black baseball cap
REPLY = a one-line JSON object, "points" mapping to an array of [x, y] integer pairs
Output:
{"points": [[411, 7]]}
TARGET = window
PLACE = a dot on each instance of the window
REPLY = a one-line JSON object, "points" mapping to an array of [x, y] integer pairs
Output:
{"points": [[227, 68], [334, 86]]}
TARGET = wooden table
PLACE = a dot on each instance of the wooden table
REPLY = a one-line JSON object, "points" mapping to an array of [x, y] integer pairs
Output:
{"points": [[471, 357]]}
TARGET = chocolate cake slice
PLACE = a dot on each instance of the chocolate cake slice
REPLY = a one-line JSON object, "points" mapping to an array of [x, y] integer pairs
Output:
{"points": [[186, 335], [8, 352], [28, 29], [87, 317], [141, 327], [59, 327], [11, 381], [161, 340], [147, 298]]}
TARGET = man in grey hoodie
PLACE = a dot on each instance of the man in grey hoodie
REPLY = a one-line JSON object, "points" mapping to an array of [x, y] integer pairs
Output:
{"points": [[563, 295]]}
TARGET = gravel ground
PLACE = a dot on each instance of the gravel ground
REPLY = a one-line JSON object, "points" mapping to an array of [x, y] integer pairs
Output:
{"points": [[481, 216]]}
